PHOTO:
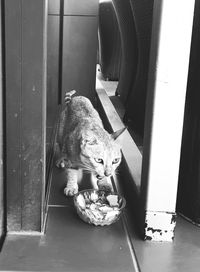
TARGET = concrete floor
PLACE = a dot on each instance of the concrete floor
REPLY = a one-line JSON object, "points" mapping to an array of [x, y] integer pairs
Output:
{"points": [[71, 245], [181, 255]]}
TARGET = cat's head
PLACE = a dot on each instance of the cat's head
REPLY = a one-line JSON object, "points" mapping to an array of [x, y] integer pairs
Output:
{"points": [[100, 154]]}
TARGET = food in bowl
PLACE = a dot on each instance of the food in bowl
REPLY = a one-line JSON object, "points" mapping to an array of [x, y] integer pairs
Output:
{"points": [[99, 207]]}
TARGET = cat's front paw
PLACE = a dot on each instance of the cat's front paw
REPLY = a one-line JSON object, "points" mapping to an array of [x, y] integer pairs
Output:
{"points": [[60, 163], [70, 190], [63, 163]]}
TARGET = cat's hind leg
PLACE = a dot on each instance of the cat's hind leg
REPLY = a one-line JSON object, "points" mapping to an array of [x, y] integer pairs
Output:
{"points": [[72, 182]]}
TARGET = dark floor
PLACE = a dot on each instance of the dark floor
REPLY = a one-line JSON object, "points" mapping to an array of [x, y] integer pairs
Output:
{"points": [[182, 255], [69, 244]]}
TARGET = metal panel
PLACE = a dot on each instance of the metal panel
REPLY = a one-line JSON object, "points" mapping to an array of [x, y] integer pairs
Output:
{"points": [[54, 7], [136, 100], [33, 112], [79, 55], [13, 113], [188, 202], [2, 192], [81, 7], [26, 100], [52, 68]]}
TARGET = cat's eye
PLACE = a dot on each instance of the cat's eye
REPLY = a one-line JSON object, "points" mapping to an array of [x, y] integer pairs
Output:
{"points": [[98, 160], [116, 160]]}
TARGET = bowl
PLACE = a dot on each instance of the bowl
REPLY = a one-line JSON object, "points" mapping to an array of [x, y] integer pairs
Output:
{"points": [[99, 207]]}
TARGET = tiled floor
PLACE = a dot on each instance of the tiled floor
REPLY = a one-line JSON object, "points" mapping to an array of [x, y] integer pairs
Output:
{"points": [[69, 244], [182, 255]]}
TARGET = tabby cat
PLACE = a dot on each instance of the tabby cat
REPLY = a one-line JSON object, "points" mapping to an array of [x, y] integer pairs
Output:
{"points": [[85, 144]]}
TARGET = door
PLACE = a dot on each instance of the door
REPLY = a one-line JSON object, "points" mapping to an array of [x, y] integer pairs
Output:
{"points": [[25, 96]]}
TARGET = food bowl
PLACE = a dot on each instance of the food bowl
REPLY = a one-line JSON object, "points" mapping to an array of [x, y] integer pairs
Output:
{"points": [[98, 207]]}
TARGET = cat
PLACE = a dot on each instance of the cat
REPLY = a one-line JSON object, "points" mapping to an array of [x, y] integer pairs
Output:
{"points": [[85, 144]]}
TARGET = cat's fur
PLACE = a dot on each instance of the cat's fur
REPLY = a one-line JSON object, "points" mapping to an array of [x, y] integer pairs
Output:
{"points": [[84, 143]]}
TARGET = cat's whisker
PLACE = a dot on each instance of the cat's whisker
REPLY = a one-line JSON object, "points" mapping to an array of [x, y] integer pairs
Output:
{"points": [[117, 172], [86, 168], [86, 165]]}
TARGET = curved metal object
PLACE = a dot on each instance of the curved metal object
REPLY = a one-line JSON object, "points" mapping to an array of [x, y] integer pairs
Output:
{"points": [[136, 100], [129, 45], [109, 42]]}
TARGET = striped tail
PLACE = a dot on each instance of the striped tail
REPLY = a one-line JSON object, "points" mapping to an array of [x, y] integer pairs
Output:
{"points": [[68, 96]]}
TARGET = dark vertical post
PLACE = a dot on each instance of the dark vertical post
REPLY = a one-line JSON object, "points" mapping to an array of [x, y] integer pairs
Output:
{"points": [[60, 68], [52, 78], [80, 29], [53, 52], [188, 202], [2, 187], [25, 37]]}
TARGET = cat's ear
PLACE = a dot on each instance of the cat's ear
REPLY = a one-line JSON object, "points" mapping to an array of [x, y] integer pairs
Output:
{"points": [[88, 141], [117, 133]]}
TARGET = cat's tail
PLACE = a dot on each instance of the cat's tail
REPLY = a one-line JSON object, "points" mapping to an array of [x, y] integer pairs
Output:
{"points": [[68, 96]]}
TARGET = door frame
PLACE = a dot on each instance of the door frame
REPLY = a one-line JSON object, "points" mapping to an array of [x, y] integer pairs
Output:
{"points": [[25, 24]]}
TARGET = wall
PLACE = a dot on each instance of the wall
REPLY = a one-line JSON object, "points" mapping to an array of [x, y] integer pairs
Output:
{"points": [[189, 175]]}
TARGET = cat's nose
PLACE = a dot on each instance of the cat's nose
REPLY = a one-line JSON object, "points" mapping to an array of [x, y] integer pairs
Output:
{"points": [[99, 177], [107, 173]]}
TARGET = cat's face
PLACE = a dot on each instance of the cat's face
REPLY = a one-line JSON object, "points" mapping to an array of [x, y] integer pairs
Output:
{"points": [[100, 157]]}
